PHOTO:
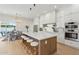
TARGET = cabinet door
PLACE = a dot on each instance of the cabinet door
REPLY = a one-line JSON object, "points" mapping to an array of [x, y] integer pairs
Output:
{"points": [[45, 47], [53, 45], [48, 46]]}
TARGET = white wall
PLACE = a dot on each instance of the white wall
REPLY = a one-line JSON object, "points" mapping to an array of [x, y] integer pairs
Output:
{"points": [[20, 22], [45, 19], [6, 20], [66, 15]]}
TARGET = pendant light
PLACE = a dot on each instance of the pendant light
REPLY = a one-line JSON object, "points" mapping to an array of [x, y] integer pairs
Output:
{"points": [[55, 10], [34, 5], [55, 24], [30, 9]]}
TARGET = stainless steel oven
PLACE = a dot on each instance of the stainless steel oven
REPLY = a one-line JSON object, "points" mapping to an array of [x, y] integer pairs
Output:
{"points": [[71, 35], [71, 31]]}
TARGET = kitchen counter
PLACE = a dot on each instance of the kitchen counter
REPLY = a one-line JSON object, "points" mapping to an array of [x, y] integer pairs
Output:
{"points": [[41, 35], [47, 42]]}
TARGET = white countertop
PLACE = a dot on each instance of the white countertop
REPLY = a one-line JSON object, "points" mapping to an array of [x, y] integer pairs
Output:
{"points": [[41, 35]]}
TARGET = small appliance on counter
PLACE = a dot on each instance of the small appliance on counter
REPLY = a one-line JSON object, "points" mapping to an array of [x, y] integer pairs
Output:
{"points": [[72, 31]]}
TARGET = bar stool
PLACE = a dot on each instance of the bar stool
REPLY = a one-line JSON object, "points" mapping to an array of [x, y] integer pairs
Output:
{"points": [[29, 46], [22, 36], [25, 41], [34, 48], [28, 43]]}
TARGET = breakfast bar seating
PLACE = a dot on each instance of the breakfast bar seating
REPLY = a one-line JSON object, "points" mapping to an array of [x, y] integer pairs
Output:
{"points": [[41, 43], [24, 39], [34, 48], [29, 46], [27, 41]]}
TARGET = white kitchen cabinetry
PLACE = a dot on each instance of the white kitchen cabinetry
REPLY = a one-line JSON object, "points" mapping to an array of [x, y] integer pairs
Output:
{"points": [[60, 36], [72, 43]]}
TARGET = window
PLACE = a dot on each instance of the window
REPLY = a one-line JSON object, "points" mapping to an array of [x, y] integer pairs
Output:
{"points": [[7, 26]]}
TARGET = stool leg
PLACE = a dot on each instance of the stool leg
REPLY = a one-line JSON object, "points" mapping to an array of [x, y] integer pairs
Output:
{"points": [[34, 51], [28, 48]]}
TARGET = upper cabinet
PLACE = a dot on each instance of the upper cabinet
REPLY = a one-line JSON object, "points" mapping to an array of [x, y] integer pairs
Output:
{"points": [[45, 19]]}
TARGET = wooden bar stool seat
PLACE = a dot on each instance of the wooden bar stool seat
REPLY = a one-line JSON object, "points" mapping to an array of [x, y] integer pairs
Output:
{"points": [[29, 46], [34, 48], [28, 42], [22, 36], [25, 41]]}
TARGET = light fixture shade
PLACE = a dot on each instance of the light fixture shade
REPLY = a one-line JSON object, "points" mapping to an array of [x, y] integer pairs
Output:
{"points": [[30, 9], [34, 5]]}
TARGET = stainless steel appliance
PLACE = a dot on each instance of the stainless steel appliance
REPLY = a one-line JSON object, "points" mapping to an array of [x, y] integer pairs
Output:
{"points": [[71, 31]]}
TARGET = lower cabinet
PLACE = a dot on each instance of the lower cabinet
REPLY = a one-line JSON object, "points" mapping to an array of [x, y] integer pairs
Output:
{"points": [[48, 46]]}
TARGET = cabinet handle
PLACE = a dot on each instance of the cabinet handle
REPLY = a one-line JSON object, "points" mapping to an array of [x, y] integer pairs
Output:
{"points": [[46, 42]]}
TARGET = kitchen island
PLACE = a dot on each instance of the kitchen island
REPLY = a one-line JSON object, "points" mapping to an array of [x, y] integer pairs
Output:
{"points": [[47, 42]]}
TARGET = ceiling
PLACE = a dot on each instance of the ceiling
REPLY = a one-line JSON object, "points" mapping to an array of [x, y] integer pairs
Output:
{"points": [[23, 10]]}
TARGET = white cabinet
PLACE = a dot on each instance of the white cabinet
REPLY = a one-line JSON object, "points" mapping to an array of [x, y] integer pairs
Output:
{"points": [[72, 43], [60, 36]]}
